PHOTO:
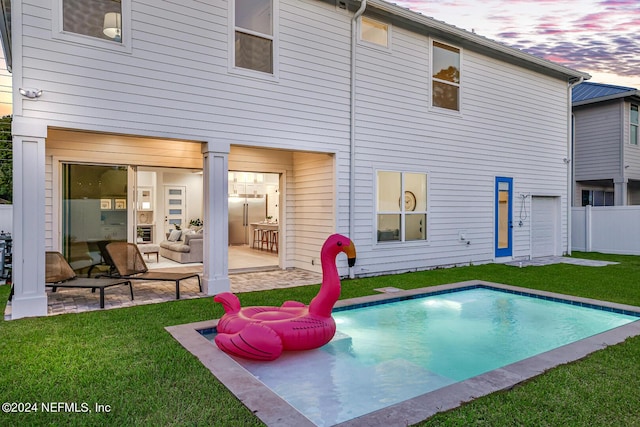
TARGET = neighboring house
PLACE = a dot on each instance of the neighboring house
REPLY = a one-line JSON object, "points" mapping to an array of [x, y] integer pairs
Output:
{"points": [[428, 145], [606, 145]]}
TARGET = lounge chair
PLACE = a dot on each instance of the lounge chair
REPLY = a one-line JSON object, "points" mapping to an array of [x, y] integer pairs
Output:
{"points": [[130, 265], [106, 260], [59, 274]]}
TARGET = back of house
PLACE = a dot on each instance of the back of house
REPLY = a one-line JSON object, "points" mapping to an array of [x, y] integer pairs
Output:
{"points": [[428, 145]]}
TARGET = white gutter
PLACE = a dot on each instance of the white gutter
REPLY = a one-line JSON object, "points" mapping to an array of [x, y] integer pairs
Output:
{"points": [[570, 158], [352, 124]]}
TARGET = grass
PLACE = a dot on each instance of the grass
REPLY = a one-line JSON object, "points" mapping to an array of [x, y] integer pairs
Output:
{"points": [[125, 359]]}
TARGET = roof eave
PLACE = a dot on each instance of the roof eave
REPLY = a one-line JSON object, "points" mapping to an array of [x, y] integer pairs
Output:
{"points": [[631, 95]]}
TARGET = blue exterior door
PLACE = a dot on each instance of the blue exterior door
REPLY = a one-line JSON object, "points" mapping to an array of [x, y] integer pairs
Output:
{"points": [[504, 220]]}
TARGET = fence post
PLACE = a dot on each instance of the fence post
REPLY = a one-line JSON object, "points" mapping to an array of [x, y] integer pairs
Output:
{"points": [[587, 228]]}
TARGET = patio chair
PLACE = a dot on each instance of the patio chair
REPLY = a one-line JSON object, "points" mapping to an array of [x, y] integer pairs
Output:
{"points": [[129, 264], [59, 274], [106, 260]]}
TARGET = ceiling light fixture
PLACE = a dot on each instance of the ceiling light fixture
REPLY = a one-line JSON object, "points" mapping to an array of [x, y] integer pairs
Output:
{"points": [[112, 26]]}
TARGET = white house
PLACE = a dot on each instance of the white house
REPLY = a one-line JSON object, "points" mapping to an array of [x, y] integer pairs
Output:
{"points": [[606, 145], [428, 145]]}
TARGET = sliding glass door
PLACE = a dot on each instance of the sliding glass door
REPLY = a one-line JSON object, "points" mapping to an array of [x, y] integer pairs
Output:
{"points": [[94, 209]]}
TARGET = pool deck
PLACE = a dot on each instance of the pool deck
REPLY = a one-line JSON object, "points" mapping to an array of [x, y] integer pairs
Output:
{"points": [[274, 411]]}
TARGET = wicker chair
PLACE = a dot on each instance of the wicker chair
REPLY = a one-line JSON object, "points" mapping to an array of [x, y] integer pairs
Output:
{"points": [[130, 265], [59, 274]]}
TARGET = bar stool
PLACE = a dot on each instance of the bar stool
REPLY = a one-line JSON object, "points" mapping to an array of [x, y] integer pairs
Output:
{"points": [[274, 240], [266, 238], [257, 238]]}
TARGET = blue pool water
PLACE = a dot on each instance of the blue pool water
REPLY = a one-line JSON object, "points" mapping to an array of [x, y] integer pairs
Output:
{"points": [[387, 353]]}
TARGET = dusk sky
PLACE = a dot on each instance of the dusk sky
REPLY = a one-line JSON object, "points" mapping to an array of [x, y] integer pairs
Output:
{"points": [[599, 37]]}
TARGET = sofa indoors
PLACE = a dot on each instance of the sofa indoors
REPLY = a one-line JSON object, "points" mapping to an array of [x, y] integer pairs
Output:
{"points": [[183, 246]]}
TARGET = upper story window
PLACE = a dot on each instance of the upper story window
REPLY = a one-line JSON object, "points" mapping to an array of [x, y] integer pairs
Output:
{"points": [[95, 18], [254, 42], [401, 206], [634, 125], [445, 77], [98, 23], [376, 32]]}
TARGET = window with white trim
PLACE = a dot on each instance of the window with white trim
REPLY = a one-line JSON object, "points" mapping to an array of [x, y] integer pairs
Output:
{"points": [[634, 125], [101, 19], [375, 32], [445, 76], [401, 206], [254, 35]]}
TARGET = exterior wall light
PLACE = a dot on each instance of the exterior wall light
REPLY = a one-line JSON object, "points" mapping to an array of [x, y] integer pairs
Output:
{"points": [[31, 93]]}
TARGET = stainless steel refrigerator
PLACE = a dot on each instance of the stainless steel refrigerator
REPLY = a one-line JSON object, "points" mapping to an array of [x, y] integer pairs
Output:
{"points": [[244, 210]]}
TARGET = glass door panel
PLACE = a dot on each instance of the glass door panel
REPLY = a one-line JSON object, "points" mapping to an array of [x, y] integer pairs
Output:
{"points": [[504, 195], [94, 201], [175, 204]]}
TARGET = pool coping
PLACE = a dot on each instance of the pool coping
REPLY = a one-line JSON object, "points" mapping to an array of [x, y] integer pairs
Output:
{"points": [[275, 411]]}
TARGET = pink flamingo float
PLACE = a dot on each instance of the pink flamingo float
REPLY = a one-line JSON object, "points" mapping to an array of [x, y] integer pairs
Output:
{"points": [[262, 333]]}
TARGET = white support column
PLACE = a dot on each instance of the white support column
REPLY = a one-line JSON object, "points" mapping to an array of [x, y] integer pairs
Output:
{"points": [[216, 223], [620, 192], [28, 263]]}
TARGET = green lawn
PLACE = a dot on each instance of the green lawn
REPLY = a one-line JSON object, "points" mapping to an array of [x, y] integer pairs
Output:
{"points": [[125, 359]]}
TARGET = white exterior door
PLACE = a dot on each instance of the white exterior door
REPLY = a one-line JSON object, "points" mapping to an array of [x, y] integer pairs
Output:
{"points": [[544, 223], [174, 207]]}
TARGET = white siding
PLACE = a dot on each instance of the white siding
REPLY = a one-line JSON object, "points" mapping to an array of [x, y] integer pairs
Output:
{"points": [[181, 87], [311, 208], [597, 141], [176, 84], [512, 124]]}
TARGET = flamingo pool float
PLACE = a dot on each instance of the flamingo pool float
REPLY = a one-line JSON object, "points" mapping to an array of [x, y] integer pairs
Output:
{"points": [[262, 333]]}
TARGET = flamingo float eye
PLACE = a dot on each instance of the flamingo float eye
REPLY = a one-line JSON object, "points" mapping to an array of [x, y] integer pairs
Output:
{"points": [[339, 243]]}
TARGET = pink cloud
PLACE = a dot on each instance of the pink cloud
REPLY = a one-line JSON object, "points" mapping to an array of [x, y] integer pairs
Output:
{"points": [[549, 29], [618, 3], [629, 26], [591, 22], [557, 59]]}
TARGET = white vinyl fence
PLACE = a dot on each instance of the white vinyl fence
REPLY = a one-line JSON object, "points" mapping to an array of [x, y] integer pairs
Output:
{"points": [[6, 218], [606, 229]]}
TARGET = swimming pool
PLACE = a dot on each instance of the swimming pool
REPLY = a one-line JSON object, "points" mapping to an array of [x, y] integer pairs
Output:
{"points": [[389, 352]]}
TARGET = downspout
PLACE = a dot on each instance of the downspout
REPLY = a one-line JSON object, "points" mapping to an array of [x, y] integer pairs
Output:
{"points": [[352, 125], [570, 158]]}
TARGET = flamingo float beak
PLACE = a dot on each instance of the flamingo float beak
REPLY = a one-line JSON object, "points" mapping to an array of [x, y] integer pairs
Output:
{"points": [[350, 250]]}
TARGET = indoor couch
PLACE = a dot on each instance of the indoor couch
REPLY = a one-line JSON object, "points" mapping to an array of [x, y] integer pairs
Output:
{"points": [[183, 246]]}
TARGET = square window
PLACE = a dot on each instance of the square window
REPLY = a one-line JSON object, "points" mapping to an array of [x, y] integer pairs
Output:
{"points": [[375, 32], [101, 19], [254, 53], [445, 96], [401, 206]]}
